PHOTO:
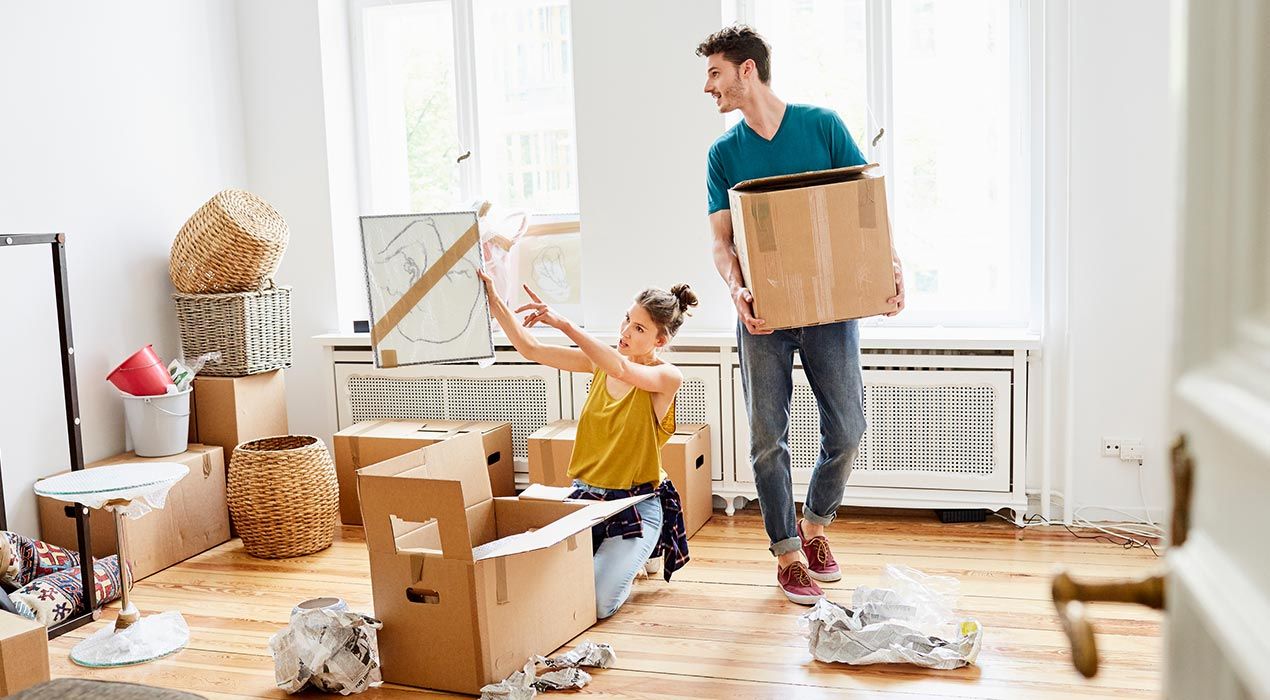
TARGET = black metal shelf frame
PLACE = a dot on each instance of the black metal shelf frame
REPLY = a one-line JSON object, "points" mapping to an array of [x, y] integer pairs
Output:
{"points": [[75, 444]]}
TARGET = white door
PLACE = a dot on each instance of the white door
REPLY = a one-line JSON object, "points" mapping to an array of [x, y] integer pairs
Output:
{"points": [[1218, 585]]}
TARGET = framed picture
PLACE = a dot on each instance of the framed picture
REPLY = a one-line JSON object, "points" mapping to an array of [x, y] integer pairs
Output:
{"points": [[427, 303]]}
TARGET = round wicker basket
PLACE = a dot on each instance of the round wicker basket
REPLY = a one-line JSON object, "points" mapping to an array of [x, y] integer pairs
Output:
{"points": [[283, 496], [233, 243]]}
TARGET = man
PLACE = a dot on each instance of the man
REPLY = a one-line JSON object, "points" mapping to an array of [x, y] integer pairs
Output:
{"points": [[775, 138]]}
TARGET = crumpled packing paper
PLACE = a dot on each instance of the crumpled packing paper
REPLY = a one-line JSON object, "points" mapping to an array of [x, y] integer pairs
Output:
{"points": [[333, 650], [563, 672]]}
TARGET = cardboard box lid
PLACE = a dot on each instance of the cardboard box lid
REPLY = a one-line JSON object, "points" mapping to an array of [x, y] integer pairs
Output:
{"points": [[807, 179], [557, 430], [446, 480], [421, 429], [13, 625]]}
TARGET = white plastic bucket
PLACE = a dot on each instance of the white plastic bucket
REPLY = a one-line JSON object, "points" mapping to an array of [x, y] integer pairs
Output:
{"points": [[159, 425]]}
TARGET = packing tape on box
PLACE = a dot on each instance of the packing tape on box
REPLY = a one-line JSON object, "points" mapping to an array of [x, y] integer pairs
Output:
{"points": [[867, 203], [764, 232], [500, 579], [434, 274], [822, 250], [549, 452], [354, 433], [207, 464]]}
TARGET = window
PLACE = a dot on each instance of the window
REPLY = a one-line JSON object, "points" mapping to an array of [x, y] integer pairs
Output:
{"points": [[463, 100], [949, 83]]}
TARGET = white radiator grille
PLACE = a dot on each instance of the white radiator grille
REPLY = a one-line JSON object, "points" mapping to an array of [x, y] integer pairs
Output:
{"points": [[521, 401], [690, 403], [919, 427]]}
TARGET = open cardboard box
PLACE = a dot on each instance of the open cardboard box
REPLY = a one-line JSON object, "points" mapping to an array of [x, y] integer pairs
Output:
{"points": [[814, 247], [470, 586], [366, 443]]}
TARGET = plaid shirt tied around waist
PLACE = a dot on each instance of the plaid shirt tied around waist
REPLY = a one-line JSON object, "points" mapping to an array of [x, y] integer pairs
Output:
{"points": [[672, 544]]}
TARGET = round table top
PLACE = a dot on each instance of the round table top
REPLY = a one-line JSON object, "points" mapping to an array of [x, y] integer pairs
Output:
{"points": [[116, 481]]}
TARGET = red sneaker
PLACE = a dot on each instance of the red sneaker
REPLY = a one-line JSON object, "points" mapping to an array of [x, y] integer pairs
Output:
{"points": [[820, 562], [796, 584]]}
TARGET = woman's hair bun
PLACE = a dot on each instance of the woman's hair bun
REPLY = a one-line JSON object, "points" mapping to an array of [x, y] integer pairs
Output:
{"points": [[687, 298]]}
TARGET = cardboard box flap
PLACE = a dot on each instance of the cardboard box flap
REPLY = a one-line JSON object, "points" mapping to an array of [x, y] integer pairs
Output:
{"points": [[541, 492], [441, 481], [426, 429], [807, 179], [558, 531], [460, 458], [689, 428], [560, 429]]}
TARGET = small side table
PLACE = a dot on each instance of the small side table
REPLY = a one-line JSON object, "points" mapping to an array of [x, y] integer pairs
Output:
{"points": [[128, 490]]}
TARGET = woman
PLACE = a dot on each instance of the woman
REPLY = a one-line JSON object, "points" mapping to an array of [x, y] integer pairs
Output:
{"points": [[628, 416]]}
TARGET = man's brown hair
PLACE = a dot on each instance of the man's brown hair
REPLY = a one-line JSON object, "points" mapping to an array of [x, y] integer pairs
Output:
{"points": [[738, 43]]}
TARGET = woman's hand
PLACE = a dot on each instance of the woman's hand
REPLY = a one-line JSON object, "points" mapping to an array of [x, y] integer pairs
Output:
{"points": [[539, 312]]}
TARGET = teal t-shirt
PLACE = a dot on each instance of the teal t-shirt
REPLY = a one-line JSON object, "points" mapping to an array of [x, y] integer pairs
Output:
{"points": [[809, 138]]}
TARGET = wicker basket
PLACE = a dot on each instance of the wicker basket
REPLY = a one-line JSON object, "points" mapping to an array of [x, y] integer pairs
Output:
{"points": [[283, 496], [251, 330], [233, 243]]}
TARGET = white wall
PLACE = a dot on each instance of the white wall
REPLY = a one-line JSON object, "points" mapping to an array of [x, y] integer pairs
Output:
{"points": [[119, 120], [296, 106], [1121, 269], [644, 127]]}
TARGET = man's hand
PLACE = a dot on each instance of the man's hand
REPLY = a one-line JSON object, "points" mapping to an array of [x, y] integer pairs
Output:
{"points": [[744, 301], [898, 299]]}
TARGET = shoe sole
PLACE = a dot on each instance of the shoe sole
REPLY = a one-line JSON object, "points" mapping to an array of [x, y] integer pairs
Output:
{"points": [[825, 578], [801, 599]]}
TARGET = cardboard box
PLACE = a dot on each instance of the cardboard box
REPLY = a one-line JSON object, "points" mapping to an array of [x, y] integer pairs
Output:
{"points": [[24, 653], [194, 519], [228, 411], [365, 444], [685, 458], [814, 247], [550, 448], [469, 586]]}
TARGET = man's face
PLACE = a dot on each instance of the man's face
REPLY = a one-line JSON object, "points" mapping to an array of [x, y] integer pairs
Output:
{"points": [[724, 83]]}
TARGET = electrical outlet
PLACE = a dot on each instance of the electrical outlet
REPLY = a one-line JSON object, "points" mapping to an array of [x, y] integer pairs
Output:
{"points": [[1111, 447], [1131, 450]]}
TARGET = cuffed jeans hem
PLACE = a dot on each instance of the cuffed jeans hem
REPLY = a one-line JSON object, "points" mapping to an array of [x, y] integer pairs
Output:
{"points": [[814, 519], [785, 546]]}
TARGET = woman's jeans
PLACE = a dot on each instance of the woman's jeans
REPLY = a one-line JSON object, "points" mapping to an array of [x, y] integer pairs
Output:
{"points": [[619, 559], [831, 361]]}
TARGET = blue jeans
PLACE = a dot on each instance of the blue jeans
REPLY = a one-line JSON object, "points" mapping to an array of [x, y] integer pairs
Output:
{"points": [[831, 360], [618, 559]]}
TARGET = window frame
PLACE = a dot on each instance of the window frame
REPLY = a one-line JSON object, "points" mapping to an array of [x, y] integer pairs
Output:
{"points": [[1027, 104], [467, 107]]}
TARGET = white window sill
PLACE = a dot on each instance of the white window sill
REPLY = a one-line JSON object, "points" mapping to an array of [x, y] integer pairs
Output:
{"points": [[871, 337]]}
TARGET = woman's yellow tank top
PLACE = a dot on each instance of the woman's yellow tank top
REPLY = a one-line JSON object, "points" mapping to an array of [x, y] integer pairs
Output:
{"points": [[619, 441]]}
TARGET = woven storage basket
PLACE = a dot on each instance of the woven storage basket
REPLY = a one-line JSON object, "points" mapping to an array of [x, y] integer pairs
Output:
{"points": [[251, 330], [283, 496], [233, 243]]}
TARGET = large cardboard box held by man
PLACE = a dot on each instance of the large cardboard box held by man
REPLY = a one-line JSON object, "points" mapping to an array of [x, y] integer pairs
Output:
{"points": [[193, 519], [364, 444], [814, 247], [24, 653], [469, 586], [685, 459]]}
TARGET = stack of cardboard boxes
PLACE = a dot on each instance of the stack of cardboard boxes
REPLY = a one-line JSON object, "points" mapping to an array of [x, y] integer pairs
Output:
{"points": [[226, 411]]}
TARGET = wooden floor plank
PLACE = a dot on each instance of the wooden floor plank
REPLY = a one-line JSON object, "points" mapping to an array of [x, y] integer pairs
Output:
{"points": [[720, 629]]}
